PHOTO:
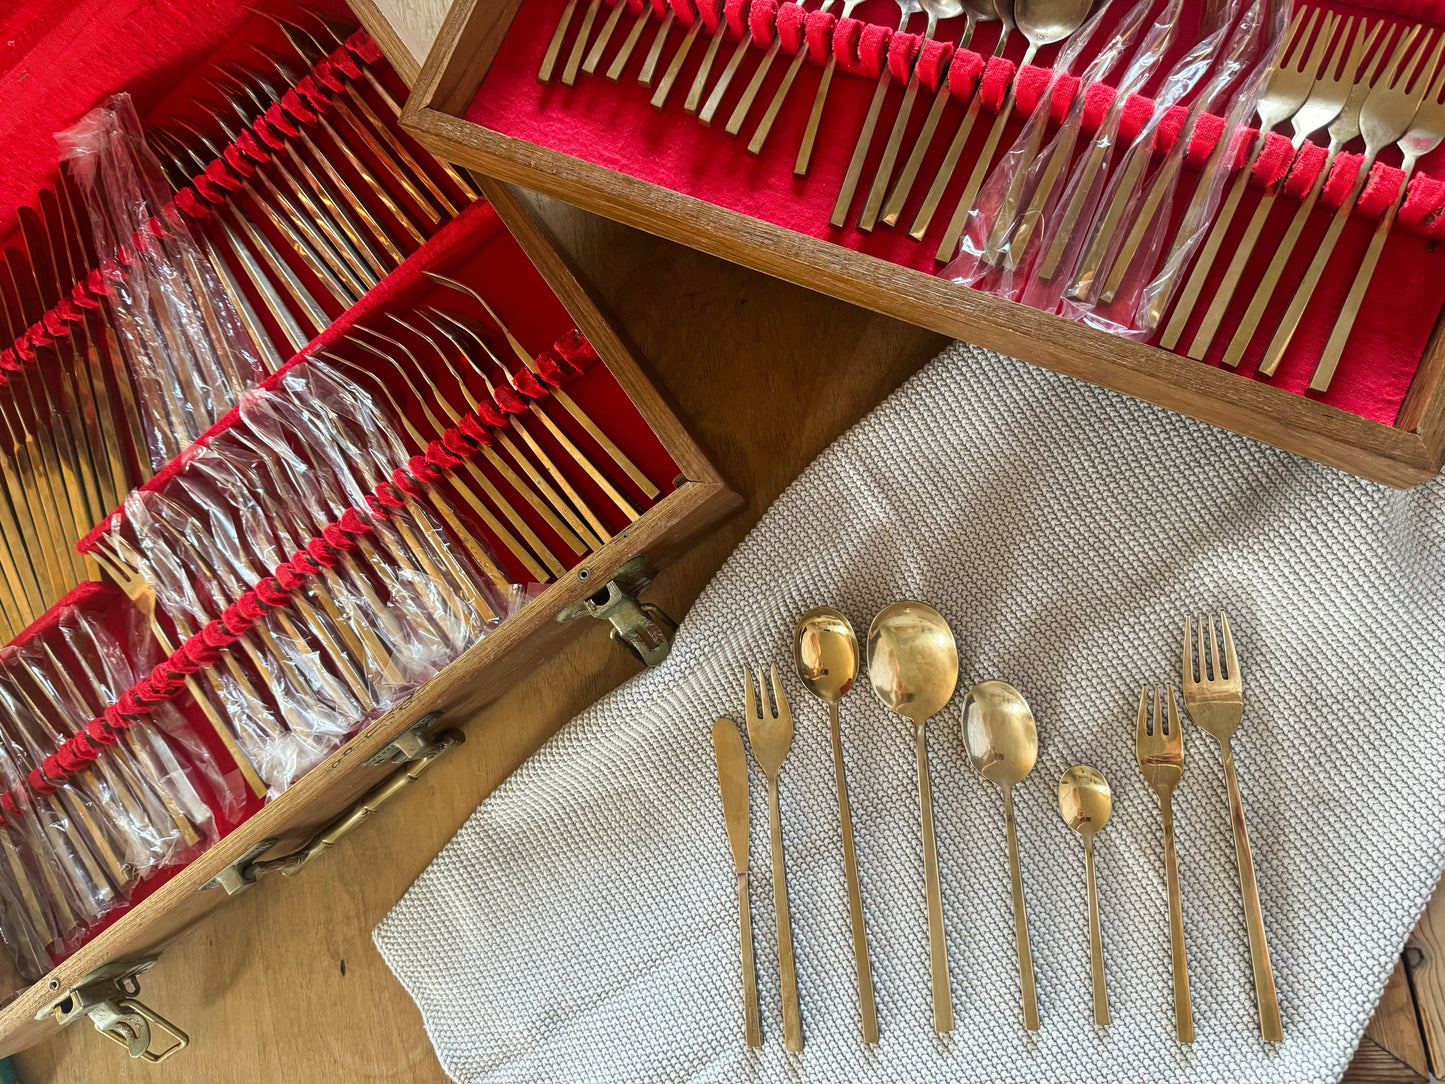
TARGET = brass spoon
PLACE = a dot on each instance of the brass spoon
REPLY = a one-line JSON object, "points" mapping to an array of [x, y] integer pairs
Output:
{"points": [[1085, 803], [825, 651], [913, 667], [1003, 744]]}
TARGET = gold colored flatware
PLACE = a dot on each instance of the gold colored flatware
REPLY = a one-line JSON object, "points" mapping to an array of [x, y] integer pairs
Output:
{"points": [[1385, 118], [1003, 744], [654, 55], [770, 115], [1286, 95], [820, 99], [1159, 749], [1426, 132], [1214, 696], [936, 10], [825, 652], [604, 38], [732, 778], [725, 80], [1344, 129], [1085, 803], [679, 58], [755, 84], [629, 43], [709, 57], [1042, 22], [579, 45], [771, 736], [913, 668], [907, 9], [554, 47]]}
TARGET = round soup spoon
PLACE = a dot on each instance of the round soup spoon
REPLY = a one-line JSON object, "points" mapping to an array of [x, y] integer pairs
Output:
{"points": [[913, 667], [1003, 744], [825, 651], [1085, 803]]}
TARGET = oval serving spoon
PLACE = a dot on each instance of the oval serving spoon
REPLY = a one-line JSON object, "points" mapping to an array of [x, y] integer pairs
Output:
{"points": [[1085, 803], [825, 651], [913, 667], [1003, 744]]}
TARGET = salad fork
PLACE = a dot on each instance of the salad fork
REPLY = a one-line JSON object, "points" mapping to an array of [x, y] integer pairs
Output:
{"points": [[1159, 748], [771, 736], [1215, 699]]}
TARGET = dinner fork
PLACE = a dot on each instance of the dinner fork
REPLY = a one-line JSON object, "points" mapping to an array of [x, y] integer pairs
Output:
{"points": [[1385, 118], [1159, 748], [771, 736], [1215, 699], [1426, 132]]}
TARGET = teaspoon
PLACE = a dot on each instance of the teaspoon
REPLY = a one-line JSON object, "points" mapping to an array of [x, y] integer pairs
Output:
{"points": [[1085, 803], [913, 667], [1003, 744]]}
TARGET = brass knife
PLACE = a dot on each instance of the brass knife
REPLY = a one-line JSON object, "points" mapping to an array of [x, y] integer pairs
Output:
{"points": [[732, 777]]}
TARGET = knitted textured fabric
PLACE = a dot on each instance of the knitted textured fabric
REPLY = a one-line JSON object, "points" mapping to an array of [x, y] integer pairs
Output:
{"points": [[582, 924]]}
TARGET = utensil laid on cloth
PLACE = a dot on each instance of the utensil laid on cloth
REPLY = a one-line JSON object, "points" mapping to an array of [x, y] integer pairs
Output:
{"points": [[913, 668], [1159, 748], [732, 778], [771, 736], [1215, 699], [825, 650], [1085, 803], [1003, 743]]}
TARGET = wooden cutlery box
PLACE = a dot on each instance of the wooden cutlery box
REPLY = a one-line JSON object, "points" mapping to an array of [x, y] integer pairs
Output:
{"points": [[519, 256], [598, 144]]}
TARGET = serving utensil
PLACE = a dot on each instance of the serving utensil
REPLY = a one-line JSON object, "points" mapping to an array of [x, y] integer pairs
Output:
{"points": [[1085, 803], [732, 778], [1159, 749], [771, 736], [825, 652], [1214, 696], [1003, 744], [913, 668]]}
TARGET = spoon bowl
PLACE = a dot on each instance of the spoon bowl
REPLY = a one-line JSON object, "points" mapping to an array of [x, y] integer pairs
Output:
{"points": [[1044, 22], [1085, 801], [825, 651], [912, 660], [999, 733]]}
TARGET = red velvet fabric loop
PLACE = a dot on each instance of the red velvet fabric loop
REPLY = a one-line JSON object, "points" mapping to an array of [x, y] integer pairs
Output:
{"points": [[325, 73], [335, 536], [488, 412], [268, 134], [322, 554], [1169, 129], [550, 369], [527, 383], [1098, 100], [847, 45], [387, 498], [1273, 163], [197, 651], [964, 73], [241, 616], [270, 592], [216, 634], [25, 348], [1061, 96], [54, 325], [1029, 88], [737, 16], [1207, 132], [353, 522], [313, 94], [287, 577], [457, 444], [473, 428], [130, 703], [39, 784], [238, 161], [902, 51], [819, 33], [1379, 192], [97, 730], [297, 107], [1306, 168], [575, 349], [441, 457], [8, 801], [82, 296], [252, 146], [403, 482], [998, 75], [1423, 200], [277, 118], [763, 21], [9, 362], [932, 64], [1341, 180], [210, 192], [218, 171], [508, 399], [423, 470], [114, 719], [1136, 113], [659, 7], [363, 46], [55, 769], [68, 310], [711, 12], [791, 25], [634, 6]]}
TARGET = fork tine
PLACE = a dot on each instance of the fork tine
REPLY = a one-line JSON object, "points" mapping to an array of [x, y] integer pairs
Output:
{"points": [[1364, 42], [1141, 727], [1158, 715], [1294, 41], [1189, 678], [779, 697], [1214, 656], [766, 705], [1323, 43], [749, 705], [1230, 658], [1176, 736], [1421, 83], [1391, 74]]}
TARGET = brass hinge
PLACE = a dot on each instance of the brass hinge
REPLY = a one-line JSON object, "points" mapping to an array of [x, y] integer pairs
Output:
{"points": [[643, 629], [110, 997], [417, 748]]}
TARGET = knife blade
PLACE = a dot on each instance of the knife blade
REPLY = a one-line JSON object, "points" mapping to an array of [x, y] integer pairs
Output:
{"points": [[732, 777]]}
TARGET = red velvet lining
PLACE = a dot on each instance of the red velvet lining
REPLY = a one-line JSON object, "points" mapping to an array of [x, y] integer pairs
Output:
{"points": [[613, 125]]}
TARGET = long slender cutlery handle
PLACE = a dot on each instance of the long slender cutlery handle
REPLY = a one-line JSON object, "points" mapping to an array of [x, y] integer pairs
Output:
{"points": [[1033, 215], [810, 134], [1008, 213], [866, 1005], [1345, 321], [1183, 1008], [937, 947], [860, 152], [1214, 315], [792, 1018], [554, 47], [1264, 994], [1096, 940], [752, 1025], [903, 183], [884, 173], [1021, 918]]}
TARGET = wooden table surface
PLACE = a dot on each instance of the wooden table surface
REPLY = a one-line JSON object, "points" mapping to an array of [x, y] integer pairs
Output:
{"points": [[284, 984]]}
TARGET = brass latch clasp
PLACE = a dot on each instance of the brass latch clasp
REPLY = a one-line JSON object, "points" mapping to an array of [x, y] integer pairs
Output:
{"points": [[110, 998], [641, 628]]}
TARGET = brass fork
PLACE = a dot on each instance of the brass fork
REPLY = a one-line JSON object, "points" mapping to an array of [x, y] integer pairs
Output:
{"points": [[1159, 748], [771, 737], [1215, 699]]}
